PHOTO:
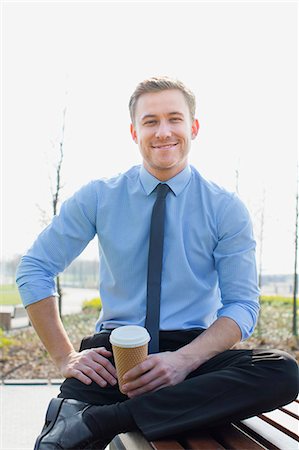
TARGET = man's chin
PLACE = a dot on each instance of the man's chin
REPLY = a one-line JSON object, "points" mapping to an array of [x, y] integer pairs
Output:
{"points": [[165, 170]]}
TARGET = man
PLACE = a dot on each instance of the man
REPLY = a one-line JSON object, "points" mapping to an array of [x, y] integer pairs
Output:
{"points": [[208, 294]]}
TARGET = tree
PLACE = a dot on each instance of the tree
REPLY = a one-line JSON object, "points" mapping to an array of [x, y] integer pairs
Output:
{"points": [[237, 181], [295, 290], [56, 197], [260, 275]]}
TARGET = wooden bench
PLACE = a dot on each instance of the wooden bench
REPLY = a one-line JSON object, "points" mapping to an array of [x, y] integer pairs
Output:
{"points": [[276, 430], [5, 320], [6, 317], [19, 311]]}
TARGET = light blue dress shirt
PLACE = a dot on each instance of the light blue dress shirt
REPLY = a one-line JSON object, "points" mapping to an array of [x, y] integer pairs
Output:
{"points": [[209, 268]]}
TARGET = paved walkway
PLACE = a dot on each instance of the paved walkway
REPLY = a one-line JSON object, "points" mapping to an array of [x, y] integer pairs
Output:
{"points": [[23, 406], [23, 411]]}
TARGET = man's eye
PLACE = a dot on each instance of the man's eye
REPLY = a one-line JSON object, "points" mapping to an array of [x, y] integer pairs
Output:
{"points": [[150, 122], [175, 119]]}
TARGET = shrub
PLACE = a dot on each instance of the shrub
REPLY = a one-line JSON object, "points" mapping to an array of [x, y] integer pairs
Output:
{"points": [[6, 342], [94, 304], [276, 298]]}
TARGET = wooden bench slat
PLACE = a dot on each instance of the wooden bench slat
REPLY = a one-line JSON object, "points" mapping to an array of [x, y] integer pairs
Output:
{"points": [[233, 439], [165, 444], [116, 444], [283, 422], [257, 437], [268, 435], [292, 409], [135, 440], [274, 430], [203, 442], [290, 413]]}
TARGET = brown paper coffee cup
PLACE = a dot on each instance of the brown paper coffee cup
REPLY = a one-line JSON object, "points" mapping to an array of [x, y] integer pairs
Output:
{"points": [[130, 347]]}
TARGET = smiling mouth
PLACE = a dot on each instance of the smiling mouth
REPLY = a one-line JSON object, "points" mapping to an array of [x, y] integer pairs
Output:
{"points": [[165, 146]]}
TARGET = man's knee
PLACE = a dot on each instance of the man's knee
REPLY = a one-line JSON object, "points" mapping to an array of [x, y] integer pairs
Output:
{"points": [[291, 373], [283, 372]]}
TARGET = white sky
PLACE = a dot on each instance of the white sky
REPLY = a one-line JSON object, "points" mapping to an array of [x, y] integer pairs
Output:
{"points": [[239, 58]]}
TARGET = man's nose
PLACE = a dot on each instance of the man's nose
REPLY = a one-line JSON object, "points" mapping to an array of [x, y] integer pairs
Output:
{"points": [[164, 130]]}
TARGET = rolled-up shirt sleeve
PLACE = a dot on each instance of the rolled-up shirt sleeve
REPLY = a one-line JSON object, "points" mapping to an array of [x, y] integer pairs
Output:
{"points": [[58, 245], [236, 265]]}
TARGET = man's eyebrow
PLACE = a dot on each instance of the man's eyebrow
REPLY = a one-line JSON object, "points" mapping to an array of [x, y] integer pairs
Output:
{"points": [[176, 113], [172, 113], [148, 116]]}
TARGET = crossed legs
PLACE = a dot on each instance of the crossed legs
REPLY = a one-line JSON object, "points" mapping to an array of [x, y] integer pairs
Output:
{"points": [[233, 385]]}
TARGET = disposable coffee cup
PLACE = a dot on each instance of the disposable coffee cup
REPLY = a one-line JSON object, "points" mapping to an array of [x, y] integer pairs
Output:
{"points": [[130, 347]]}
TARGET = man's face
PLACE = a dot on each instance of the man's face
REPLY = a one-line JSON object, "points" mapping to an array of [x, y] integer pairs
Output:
{"points": [[163, 130]]}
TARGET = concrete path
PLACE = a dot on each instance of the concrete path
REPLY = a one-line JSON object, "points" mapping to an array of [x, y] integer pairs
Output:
{"points": [[23, 411]]}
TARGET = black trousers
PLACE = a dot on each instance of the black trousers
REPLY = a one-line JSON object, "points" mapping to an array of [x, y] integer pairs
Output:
{"points": [[233, 385]]}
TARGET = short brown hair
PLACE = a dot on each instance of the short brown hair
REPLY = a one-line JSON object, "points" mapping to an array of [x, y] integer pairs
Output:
{"points": [[156, 84]]}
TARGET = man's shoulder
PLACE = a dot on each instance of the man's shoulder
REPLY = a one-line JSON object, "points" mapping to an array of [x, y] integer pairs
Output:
{"points": [[118, 180], [218, 200], [209, 187]]}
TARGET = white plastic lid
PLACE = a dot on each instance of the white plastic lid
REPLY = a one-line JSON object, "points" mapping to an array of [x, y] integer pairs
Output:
{"points": [[129, 336]]}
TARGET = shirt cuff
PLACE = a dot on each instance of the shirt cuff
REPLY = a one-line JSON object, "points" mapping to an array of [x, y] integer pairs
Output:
{"points": [[34, 292], [244, 316]]}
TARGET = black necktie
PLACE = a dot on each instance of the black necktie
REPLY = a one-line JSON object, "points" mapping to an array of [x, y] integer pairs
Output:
{"points": [[155, 256]]}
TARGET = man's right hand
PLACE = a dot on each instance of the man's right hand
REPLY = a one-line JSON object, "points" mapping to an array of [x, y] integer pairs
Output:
{"points": [[87, 366], [90, 365]]}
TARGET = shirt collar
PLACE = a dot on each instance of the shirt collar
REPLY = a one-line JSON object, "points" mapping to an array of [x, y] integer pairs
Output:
{"points": [[177, 183]]}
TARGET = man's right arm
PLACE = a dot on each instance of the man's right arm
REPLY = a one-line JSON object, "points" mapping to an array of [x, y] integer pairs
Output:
{"points": [[55, 248], [88, 365]]}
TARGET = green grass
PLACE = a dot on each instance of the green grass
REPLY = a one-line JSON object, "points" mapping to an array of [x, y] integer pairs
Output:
{"points": [[9, 295]]}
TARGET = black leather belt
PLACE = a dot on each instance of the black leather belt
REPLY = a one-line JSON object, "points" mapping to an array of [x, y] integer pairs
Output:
{"points": [[108, 330]]}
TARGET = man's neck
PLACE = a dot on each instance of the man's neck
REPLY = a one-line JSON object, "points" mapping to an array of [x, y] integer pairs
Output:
{"points": [[164, 174]]}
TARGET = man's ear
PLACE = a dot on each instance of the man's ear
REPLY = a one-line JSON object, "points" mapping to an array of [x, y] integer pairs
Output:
{"points": [[133, 133], [194, 128]]}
